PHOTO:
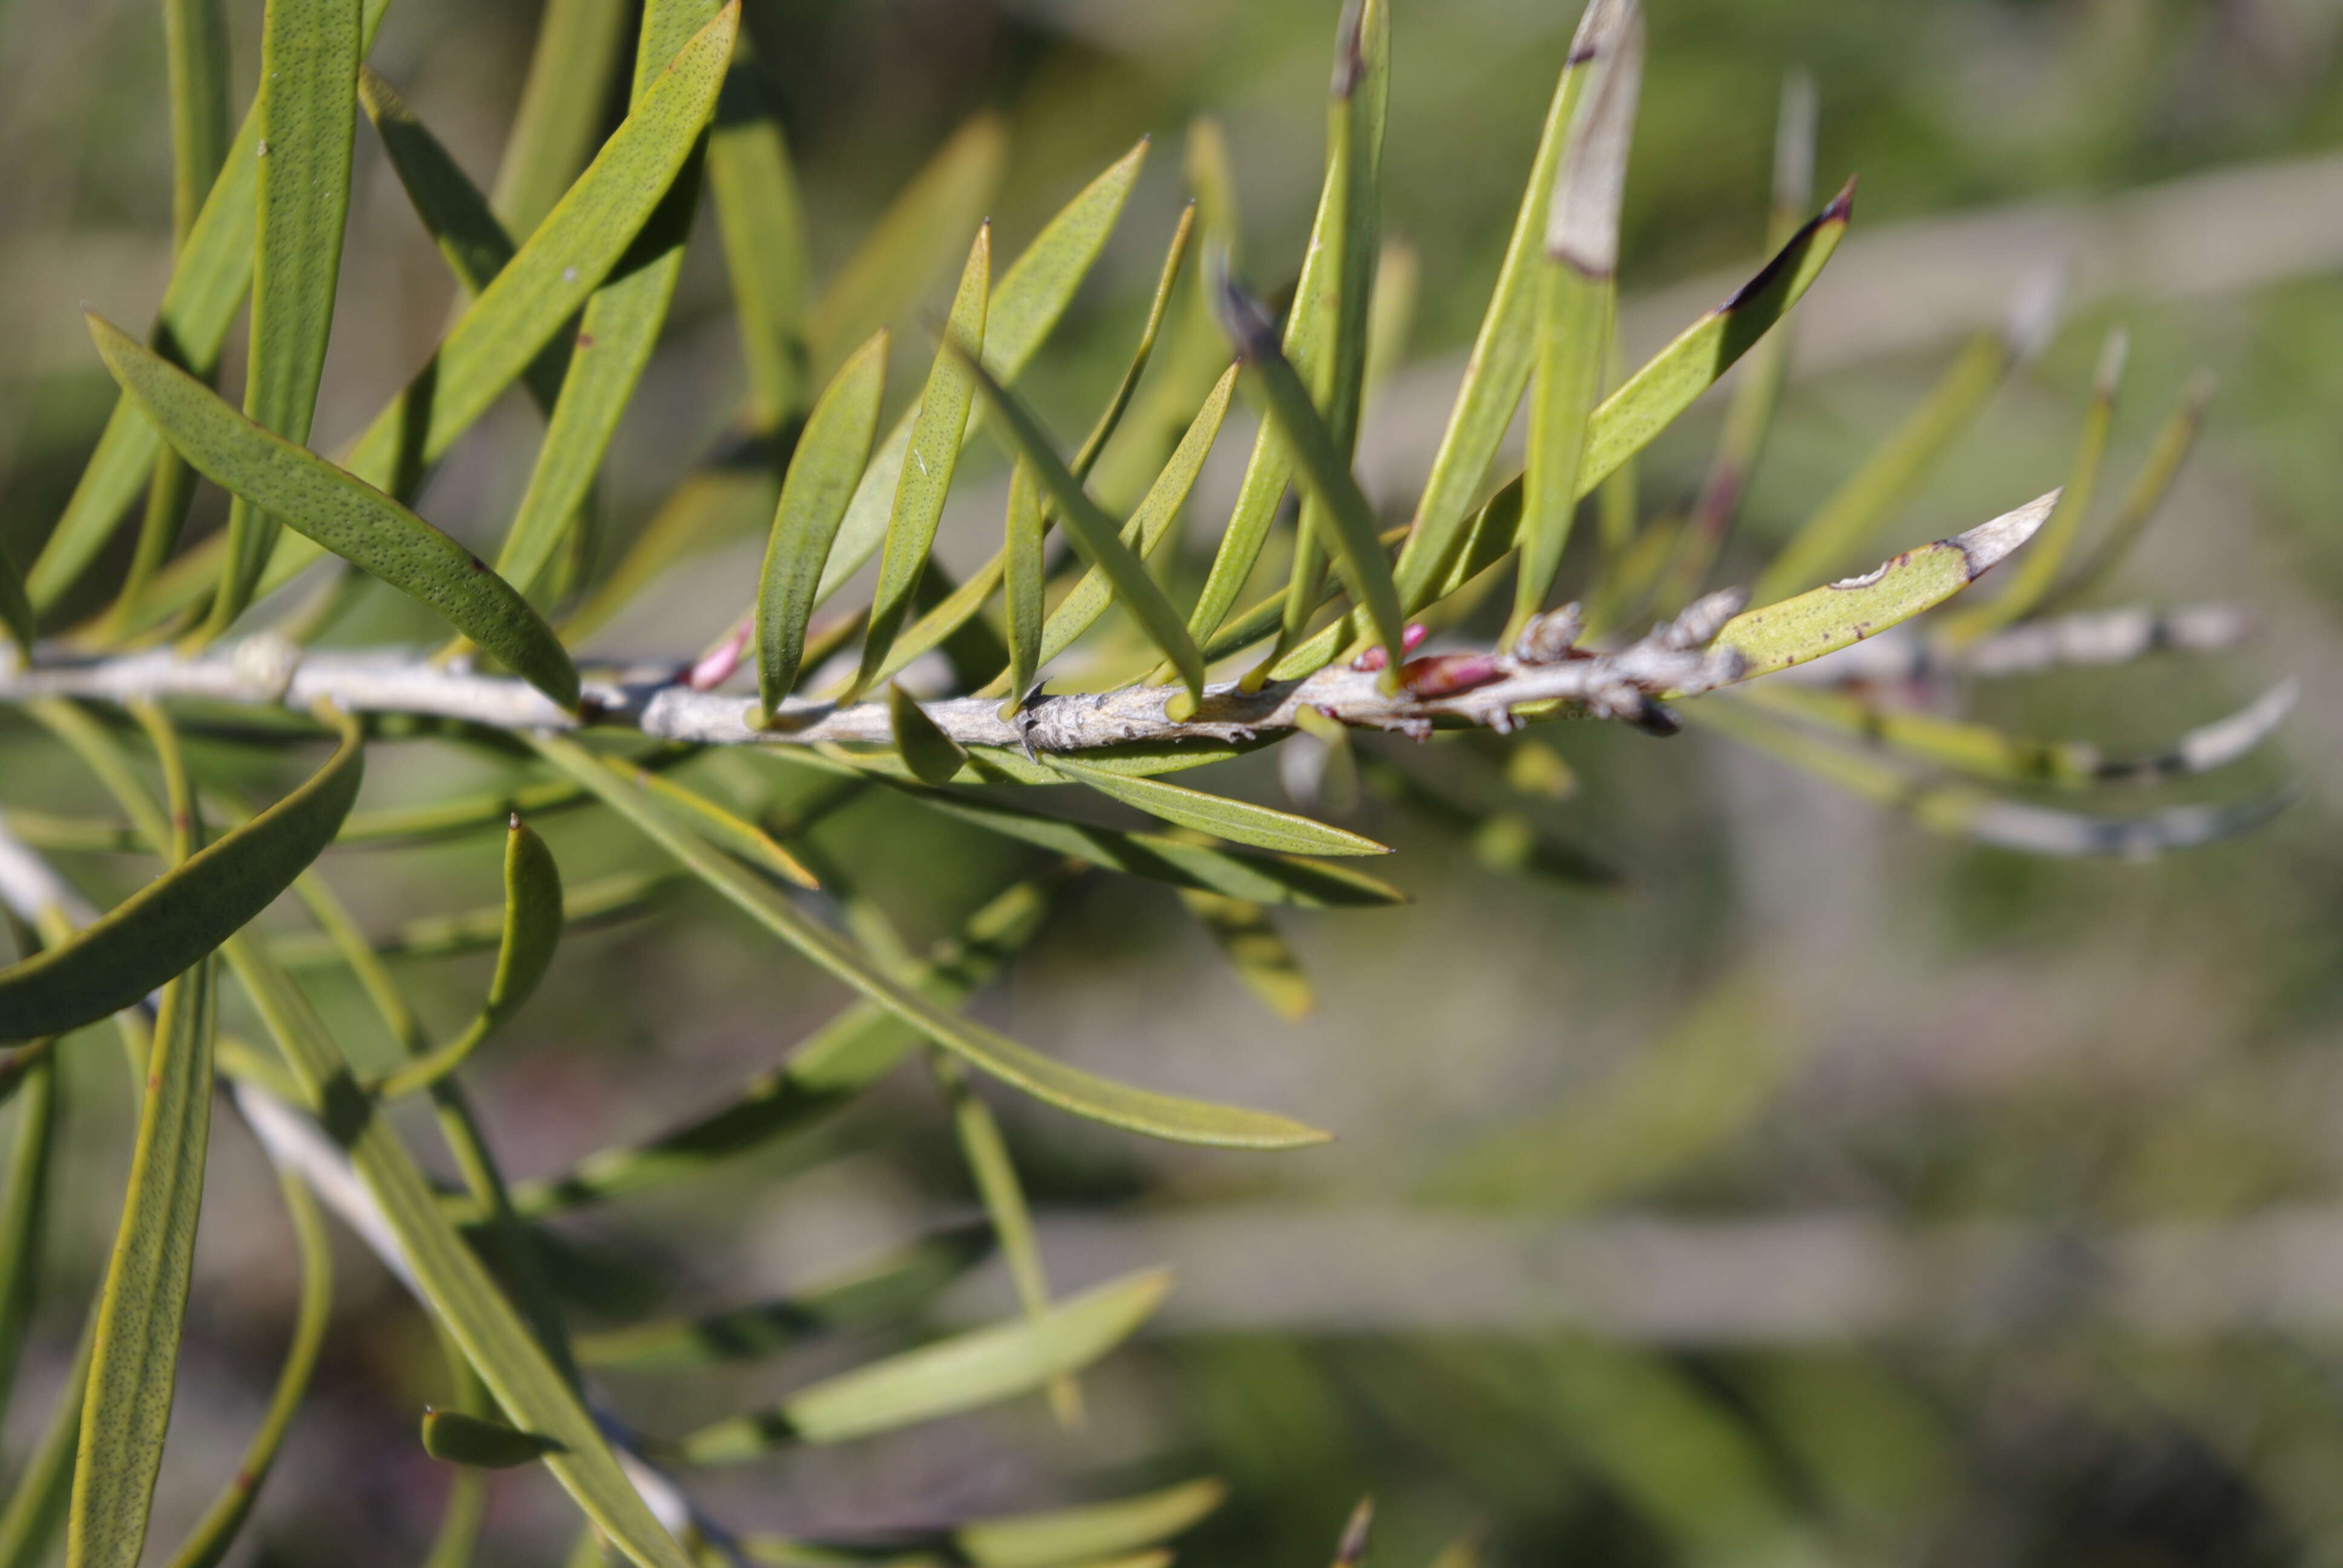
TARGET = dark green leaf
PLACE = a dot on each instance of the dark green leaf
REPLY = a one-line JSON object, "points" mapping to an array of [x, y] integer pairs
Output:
{"points": [[932, 756], [831, 456], [455, 1438]]}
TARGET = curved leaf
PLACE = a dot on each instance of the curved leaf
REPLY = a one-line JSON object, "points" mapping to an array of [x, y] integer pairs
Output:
{"points": [[1087, 1532], [831, 452], [1159, 1115], [532, 929], [959, 1373], [932, 756], [341, 512], [762, 225], [1831, 618], [310, 51], [166, 926], [25, 1203], [15, 609]]}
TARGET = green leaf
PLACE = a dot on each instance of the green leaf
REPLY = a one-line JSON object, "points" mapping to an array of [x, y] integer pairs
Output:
{"points": [[733, 834], [885, 1291], [595, 902], [209, 1542], [1093, 533], [1326, 329], [309, 53], [562, 107], [166, 926], [15, 609], [962, 1372], [1093, 1531], [2173, 442], [25, 1203], [1577, 286], [933, 455], [932, 756], [1148, 526], [199, 305], [1238, 821], [341, 512], [1036, 291], [1264, 878], [1499, 368], [135, 1362], [195, 48], [1831, 618], [1842, 525], [38, 1501], [913, 243], [1262, 957], [532, 929], [1024, 575], [2032, 581], [1319, 459], [1140, 1111], [455, 1438], [762, 225], [831, 456], [843, 1057]]}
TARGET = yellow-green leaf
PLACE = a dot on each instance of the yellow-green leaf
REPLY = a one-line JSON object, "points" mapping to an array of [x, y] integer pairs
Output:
{"points": [[163, 929], [1828, 618], [341, 512], [962, 1372], [1091, 1531], [763, 228], [1262, 957], [831, 456], [1238, 822], [561, 105]]}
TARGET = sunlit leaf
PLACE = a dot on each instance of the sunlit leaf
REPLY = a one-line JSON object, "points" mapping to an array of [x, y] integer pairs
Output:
{"points": [[166, 926], [829, 458], [341, 512], [1825, 619], [932, 458], [1087, 1532], [962, 1372], [1238, 822]]}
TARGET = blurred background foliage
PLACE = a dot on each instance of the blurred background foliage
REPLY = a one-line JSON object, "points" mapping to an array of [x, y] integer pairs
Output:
{"points": [[1824, 1192]]}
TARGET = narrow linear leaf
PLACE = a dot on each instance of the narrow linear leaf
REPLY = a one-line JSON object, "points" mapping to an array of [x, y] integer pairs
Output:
{"points": [[595, 902], [1092, 1531], [37, 1504], [1148, 526], [341, 512], [932, 458], [888, 1291], [454, 1438], [762, 225], [1093, 533], [135, 1366], [213, 269], [962, 1372], [1828, 618], [831, 456], [932, 756], [15, 609], [532, 929], [1320, 461], [307, 113], [2173, 443], [1024, 309], [195, 52], [474, 813], [1264, 878], [209, 1542], [1238, 822], [161, 929], [728, 831], [843, 1057], [1255, 948], [561, 105], [1577, 286], [1023, 574], [1140, 1111], [25, 1203]]}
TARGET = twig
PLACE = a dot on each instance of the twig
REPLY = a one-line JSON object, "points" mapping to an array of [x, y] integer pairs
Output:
{"points": [[269, 672]]}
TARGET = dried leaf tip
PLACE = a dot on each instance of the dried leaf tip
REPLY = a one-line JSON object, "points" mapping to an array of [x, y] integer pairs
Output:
{"points": [[2112, 356], [1598, 27], [1988, 545], [2033, 312], [512, 821], [1245, 319], [1582, 224], [1353, 1551], [1349, 50]]}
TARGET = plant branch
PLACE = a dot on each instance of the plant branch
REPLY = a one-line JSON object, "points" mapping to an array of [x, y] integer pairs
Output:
{"points": [[1483, 688]]}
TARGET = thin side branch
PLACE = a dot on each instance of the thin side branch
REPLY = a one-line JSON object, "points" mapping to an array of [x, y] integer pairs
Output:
{"points": [[1484, 688]]}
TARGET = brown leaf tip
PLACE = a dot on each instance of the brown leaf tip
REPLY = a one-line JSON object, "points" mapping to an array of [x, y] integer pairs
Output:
{"points": [[1353, 1548], [512, 821], [1988, 545], [1842, 205], [1350, 51], [1242, 317]]}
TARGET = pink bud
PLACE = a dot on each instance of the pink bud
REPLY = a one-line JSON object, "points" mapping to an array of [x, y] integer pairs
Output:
{"points": [[1446, 674], [717, 665], [1410, 639]]}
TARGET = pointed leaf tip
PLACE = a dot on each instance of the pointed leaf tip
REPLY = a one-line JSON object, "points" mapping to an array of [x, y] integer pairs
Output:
{"points": [[1988, 545], [1582, 224]]}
